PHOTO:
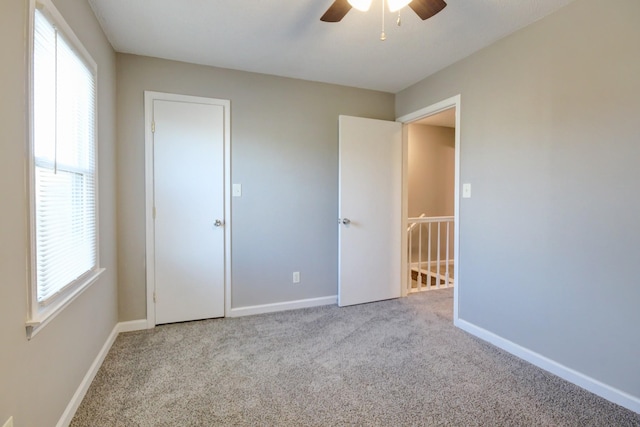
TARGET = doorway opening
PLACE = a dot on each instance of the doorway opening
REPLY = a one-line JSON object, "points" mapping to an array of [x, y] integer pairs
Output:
{"points": [[431, 165], [431, 176]]}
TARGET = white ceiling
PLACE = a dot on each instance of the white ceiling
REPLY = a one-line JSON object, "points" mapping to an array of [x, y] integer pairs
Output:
{"points": [[287, 38]]}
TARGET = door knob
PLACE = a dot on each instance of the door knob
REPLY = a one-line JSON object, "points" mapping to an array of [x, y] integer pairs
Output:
{"points": [[346, 221], [218, 223]]}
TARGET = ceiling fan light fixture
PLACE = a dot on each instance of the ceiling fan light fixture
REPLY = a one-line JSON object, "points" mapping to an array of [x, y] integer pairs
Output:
{"points": [[362, 5], [396, 5]]}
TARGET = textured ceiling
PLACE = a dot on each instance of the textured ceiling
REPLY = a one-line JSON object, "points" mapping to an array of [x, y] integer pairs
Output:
{"points": [[287, 38]]}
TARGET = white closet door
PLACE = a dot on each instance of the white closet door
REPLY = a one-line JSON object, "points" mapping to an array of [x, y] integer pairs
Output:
{"points": [[189, 210]]}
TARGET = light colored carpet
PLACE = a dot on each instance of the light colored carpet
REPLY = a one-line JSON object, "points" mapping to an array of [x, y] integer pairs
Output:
{"points": [[392, 363]]}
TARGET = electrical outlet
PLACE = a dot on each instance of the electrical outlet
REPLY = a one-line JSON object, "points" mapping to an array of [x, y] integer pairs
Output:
{"points": [[296, 277], [9, 422]]}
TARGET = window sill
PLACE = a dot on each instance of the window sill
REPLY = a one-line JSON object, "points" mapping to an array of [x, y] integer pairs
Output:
{"points": [[42, 318]]}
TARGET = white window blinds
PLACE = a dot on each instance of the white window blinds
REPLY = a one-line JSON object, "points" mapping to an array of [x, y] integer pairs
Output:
{"points": [[64, 159]]}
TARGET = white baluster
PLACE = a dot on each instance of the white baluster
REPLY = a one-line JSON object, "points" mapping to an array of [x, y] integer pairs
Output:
{"points": [[438, 265], [420, 258], [410, 259], [429, 274], [447, 259]]}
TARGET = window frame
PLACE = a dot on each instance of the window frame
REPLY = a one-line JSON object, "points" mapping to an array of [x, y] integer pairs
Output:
{"points": [[41, 313]]}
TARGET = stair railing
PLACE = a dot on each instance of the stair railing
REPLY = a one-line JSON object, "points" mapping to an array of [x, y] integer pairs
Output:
{"points": [[425, 270]]}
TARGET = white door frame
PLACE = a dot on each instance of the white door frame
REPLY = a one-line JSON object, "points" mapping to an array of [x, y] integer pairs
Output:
{"points": [[149, 97], [453, 102]]}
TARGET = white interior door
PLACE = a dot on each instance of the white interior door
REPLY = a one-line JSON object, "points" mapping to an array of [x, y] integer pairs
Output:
{"points": [[188, 185], [370, 207]]}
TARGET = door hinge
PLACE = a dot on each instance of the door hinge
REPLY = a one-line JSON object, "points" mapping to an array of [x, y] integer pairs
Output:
{"points": [[154, 297], [154, 212], [153, 127]]}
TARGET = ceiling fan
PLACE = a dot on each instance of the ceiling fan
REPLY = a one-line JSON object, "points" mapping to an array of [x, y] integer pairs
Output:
{"points": [[423, 8]]}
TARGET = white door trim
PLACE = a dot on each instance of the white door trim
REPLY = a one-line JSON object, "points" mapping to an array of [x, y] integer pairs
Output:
{"points": [[453, 102], [149, 97]]}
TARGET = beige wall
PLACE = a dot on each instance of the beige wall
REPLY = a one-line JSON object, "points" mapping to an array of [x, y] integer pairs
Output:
{"points": [[431, 170], [284, 138], [38, 377], [550, 143]]}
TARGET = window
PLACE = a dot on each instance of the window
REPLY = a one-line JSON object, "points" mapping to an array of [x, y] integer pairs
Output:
{"points": [[63, 169]]}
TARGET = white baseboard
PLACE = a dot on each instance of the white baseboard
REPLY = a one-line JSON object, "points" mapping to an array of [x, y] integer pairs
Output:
{"points": [[73, 405], [132, 325], [76, 400], [282, 306], [581, 380]]}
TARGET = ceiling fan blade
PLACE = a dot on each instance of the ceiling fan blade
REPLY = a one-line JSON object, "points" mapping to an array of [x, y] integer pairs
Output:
{"points": [[425, 9], [336, 11]]}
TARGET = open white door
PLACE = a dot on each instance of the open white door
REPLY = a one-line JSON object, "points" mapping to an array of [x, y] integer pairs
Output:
{"points": [[370, 207]]}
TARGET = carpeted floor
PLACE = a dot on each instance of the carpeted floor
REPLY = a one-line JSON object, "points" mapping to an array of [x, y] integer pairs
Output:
{"points": [[392, 363]]}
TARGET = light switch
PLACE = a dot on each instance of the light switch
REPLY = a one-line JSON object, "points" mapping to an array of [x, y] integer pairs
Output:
{"points": [[237, 190], [466, 191]]}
